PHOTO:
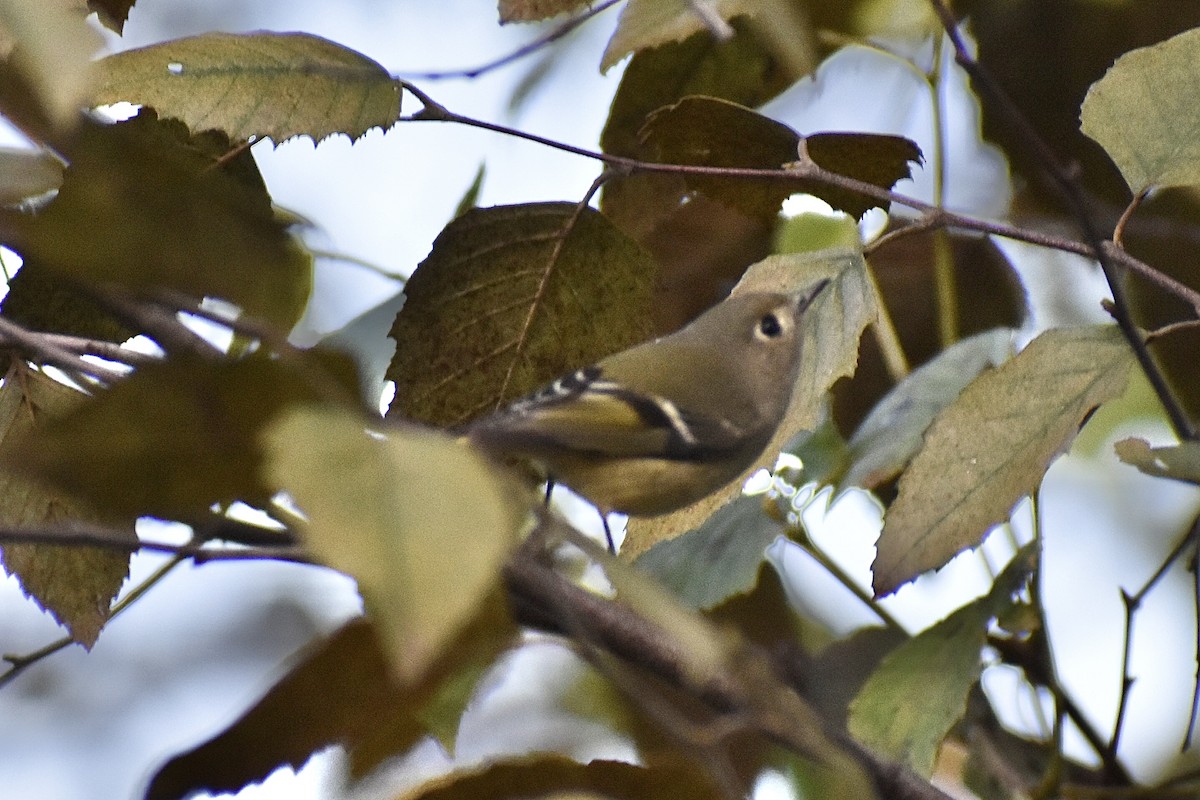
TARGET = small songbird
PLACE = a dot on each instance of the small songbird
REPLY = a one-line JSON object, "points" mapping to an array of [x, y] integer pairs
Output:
{"points": [[661, 425]]}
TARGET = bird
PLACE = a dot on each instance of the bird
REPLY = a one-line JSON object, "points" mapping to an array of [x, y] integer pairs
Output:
{"points": [[659, 426]]}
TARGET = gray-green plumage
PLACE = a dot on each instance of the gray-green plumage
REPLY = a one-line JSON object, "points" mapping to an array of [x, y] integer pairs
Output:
{"points": [[661, 425]]}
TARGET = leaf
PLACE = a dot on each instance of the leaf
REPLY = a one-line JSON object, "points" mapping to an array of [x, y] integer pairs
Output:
{"points": [[26, 173], [649, 23], [1180, 462], [1143, 112], [335, 692], [534, 10], [339, 690], [504, 304], [908, 705], [893, 431], [175, 438], [833, 326], [701, 246], [145, 205], [256, 85], [710, 132], [381, 509], [470, 198], [992, 445], [111, 13], [53, 51], [75, 584], [548, 776], [706, 566]]}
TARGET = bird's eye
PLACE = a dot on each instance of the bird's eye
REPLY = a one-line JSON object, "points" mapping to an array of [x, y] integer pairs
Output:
{"points": [[770, 326]]}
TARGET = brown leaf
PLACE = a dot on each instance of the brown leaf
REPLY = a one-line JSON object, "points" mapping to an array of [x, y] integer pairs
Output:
{"points": [[75, 584], [510, 298], [534, 10]]}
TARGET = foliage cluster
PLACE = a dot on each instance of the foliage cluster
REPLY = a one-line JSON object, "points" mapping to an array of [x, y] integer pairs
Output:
{"points": [[907, 390]]}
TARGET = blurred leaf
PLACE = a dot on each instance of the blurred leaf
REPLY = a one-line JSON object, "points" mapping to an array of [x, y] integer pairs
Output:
{"points": [[26, 173], [177, 437], [1046, 56], [837, 674], [706, 651], [255, 85], [556, 776], [811, 231], [338, 691], [1180, 462], [716, 133], [833, 326], [470, 197], [38, 301], [510, 299], [75, 584], [894, 430], [534, 10], [706, 566], [992, 446], [1142, 113], [822, 452], [702, 247], [143, 205], [111, 13], [50, 45], [435, 704], [919, 691], [649, 23], [988, 294], [380, 509]]}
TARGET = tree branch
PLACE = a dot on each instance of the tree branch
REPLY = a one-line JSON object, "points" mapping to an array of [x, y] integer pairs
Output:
{"points": [[119, 541], [543, 599]]}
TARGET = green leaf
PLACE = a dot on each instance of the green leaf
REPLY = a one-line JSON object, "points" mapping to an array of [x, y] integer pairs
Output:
{"points": [[511, 298], [75, 584], [649, 23], [706, 131], [421, 521], [893, 431], [720, 559], [992, 446], [1180, 462], [908, 705], [470, 198], [1143, 113], [832, 325], [175, 438], [534, 10], [145, 205], [26, 173], [256, 85]]}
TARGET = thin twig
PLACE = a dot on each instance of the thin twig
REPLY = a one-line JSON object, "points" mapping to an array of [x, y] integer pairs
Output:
{"points": [[932, 217], [526, 49], [1195, 709], [721, 30], [1132, 602], [39, 348], [1068, 186], [1126, 215], [19, 664]]}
